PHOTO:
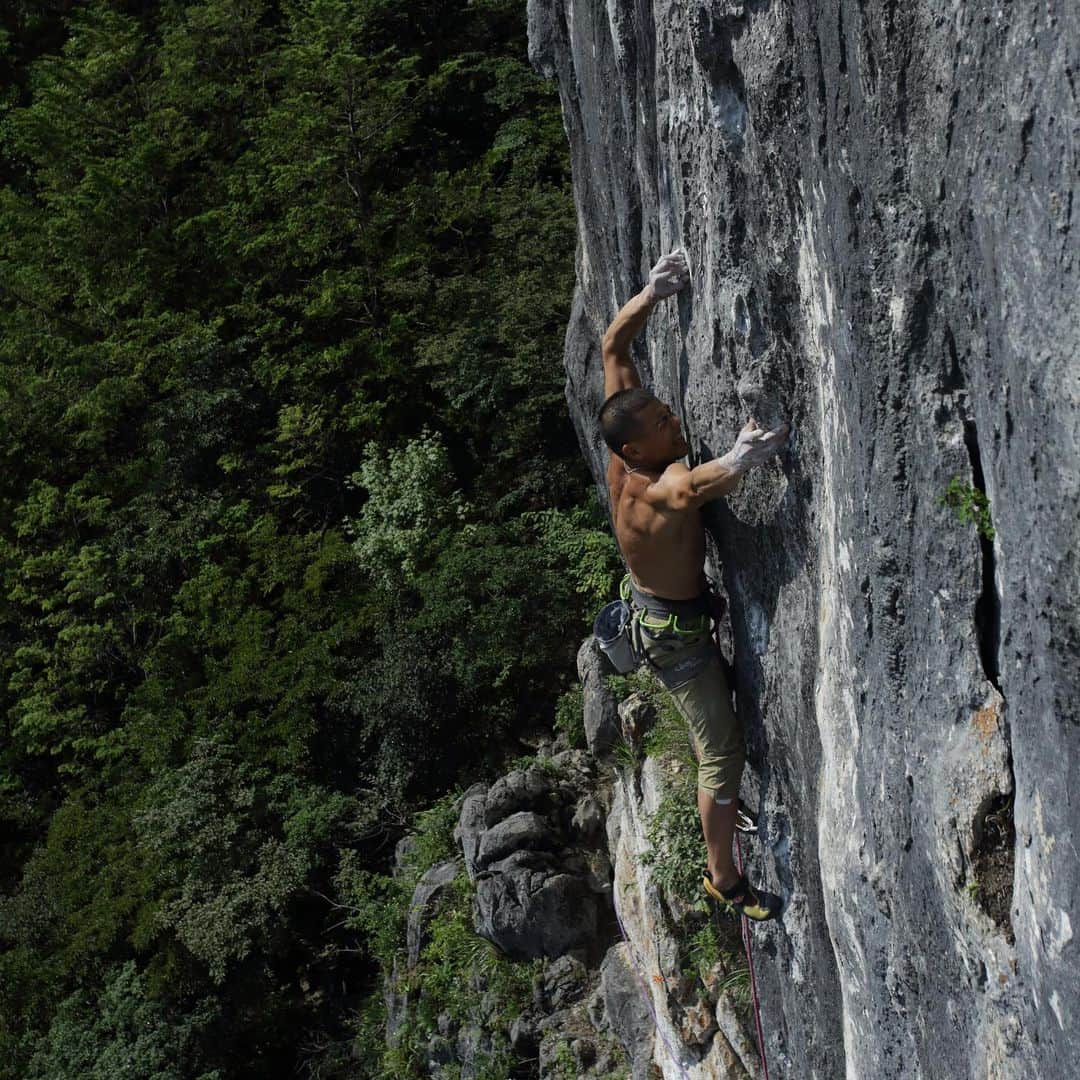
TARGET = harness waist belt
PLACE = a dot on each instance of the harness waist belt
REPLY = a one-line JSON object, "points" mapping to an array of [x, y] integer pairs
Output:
{"points": [[661, 607]]}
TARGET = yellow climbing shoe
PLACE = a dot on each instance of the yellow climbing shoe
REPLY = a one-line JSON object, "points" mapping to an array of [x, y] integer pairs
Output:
{"points": [[743, 899]]}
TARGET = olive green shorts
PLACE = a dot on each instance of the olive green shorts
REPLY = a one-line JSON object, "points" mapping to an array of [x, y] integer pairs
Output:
{"points": [[690, 669]]}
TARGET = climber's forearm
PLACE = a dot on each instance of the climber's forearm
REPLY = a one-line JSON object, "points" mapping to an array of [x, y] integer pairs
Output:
{"points": [[628, 323], [717, 477], [721, 476], [666, 278]]}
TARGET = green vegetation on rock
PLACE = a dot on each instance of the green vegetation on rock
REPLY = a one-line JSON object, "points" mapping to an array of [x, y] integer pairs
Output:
{"points": [[970, 505]]}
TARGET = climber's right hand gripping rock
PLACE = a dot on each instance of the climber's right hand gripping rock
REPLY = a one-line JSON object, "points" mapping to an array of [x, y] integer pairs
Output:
{"points": [[670, 274], [755, 445]]}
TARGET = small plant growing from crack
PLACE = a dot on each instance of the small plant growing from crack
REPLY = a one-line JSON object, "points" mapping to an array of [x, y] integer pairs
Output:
{"points": [[970, 505], [625, 754]]}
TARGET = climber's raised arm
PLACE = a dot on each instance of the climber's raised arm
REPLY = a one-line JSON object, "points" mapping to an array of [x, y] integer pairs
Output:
{"points": [[620, 373], [668, 276]]}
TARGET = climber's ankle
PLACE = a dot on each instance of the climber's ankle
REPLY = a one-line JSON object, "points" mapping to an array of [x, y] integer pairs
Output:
{"points": [[723, 878]]}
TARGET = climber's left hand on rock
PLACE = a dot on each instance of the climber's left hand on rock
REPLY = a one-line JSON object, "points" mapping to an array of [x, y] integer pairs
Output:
{"points": [[670, 274]]}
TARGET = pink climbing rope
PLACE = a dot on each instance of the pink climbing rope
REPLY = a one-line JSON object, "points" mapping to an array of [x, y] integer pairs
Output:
{"points": [[647, 993], [750, 964], [745, 920]]}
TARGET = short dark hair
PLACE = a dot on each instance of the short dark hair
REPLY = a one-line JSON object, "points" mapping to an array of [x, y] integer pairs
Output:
{"points": [[620, 416]]}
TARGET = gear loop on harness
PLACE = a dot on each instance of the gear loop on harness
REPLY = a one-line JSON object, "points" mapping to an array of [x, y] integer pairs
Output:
{"points": [[695, 617], [659, 613]]}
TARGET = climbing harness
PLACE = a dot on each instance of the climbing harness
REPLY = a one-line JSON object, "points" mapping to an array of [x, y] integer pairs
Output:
{"points": [[618, 625], [658, 614]]}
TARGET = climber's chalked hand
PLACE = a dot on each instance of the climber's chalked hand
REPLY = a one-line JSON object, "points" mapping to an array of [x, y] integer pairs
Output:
{"points": [[754, 445], [670, 274]]}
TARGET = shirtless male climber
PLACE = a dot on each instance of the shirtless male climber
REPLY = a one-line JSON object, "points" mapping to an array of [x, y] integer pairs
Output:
{"points": [[656, 501]]}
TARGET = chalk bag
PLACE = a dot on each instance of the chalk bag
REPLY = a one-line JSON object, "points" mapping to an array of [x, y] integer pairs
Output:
{"points": [[612, 633]]}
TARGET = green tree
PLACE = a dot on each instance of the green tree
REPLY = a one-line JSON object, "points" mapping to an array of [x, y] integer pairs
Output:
{"points": [[121, 1031], [248, 253]]}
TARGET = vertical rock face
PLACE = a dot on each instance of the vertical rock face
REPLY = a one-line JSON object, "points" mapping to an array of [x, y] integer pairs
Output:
{"points": [[876, 201]]}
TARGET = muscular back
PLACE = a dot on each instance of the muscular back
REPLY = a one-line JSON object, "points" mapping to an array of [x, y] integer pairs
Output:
{"points": [[664, 548]]}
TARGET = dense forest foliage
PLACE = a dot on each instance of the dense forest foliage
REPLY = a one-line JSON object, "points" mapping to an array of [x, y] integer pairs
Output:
{"points": [[295, 537]]}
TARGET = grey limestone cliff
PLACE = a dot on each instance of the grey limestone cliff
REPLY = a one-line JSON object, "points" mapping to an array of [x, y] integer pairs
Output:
{"points": [[876, 200]]}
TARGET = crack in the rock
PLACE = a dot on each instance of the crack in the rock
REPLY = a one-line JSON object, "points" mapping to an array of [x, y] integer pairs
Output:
{"points": [[988, 606], [993, 856]]}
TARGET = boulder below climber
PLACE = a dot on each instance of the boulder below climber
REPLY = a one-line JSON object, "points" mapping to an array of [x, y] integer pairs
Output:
{"points": [[528, 908], [600, 714], [424, 901]]}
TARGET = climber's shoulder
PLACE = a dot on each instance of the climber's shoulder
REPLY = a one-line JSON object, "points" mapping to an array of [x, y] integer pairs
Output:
{"points": [[665, 493], [671, 491]]}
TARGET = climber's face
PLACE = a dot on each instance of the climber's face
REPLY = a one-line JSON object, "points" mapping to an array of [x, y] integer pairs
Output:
{"points": [[660, 441]]}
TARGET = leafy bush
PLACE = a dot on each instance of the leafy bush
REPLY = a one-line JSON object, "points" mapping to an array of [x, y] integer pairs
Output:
{"points": [[716, 947], [227, 875], [433, 834], [458, 966], [411, 500], [579, 540], [376, 907], [461, 977], [677, 849], [970, 506], [669, 735], [570, 715], [122, 1031]]}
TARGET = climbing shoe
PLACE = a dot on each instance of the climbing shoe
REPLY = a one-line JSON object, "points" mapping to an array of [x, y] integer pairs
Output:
{"points": [[743, 899]]}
